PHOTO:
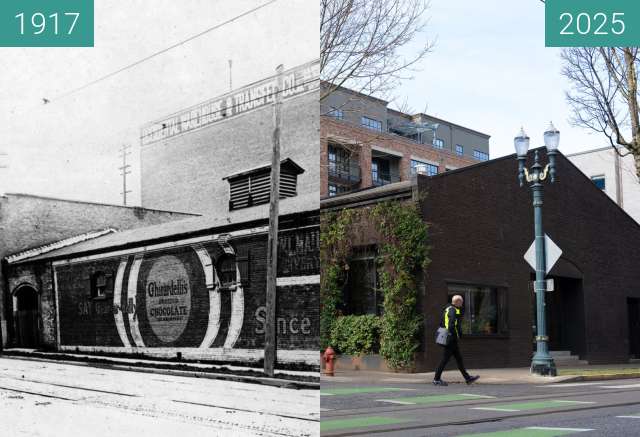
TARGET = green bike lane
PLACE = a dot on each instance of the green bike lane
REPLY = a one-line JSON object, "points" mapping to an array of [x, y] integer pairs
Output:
{"points": [[371, 409]]}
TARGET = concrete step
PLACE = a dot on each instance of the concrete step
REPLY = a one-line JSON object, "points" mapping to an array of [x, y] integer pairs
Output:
{"points": [[564, 358], [560, 354]]}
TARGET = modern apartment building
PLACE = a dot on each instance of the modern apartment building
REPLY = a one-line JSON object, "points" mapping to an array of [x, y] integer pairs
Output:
{"points": [[364, 143], [613, 174]]}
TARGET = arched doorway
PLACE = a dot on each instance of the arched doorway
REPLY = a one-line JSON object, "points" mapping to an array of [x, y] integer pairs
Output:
{"points": [[25, 309]]}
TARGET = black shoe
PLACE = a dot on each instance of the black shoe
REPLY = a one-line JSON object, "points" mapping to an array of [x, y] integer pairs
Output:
{"points": [[440, 382], [472, 379]]}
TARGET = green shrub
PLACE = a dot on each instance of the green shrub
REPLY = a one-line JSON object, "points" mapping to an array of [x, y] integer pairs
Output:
{"points": [[356, 335]]}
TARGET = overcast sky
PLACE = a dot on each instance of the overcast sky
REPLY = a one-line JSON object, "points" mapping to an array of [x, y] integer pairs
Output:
{"points": [[69, 147], [491, 72]]}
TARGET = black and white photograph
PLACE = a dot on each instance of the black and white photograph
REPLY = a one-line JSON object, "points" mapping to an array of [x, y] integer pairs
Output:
{"points": [[159, 224]]}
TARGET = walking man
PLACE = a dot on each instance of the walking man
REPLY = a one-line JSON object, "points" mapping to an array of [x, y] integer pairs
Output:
{"points": [[451, 320]]}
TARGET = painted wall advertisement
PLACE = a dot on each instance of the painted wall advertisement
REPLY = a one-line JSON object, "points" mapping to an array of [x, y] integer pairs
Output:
{"points": [[175, 299], [296, 81]]}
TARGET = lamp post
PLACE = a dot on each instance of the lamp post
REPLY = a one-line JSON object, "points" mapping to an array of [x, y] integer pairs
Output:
{"points": [[542, 362]]}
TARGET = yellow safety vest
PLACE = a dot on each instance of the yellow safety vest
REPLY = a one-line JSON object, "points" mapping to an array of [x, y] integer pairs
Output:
{"points": [[446, 319]]}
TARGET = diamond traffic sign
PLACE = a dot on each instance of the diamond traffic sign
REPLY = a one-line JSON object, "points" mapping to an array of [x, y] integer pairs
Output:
{"points": [[552, 252]]}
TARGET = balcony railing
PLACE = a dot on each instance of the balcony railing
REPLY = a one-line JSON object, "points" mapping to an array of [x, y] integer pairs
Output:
{"points": [[346, 173], [380, 178]]}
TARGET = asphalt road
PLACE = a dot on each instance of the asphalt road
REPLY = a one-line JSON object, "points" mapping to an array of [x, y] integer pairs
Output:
{"points": [[53, 399], [391, 408]]}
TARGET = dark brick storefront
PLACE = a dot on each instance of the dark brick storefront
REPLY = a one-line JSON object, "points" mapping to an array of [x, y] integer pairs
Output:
{"points": [[481, 224], [483, 239]]}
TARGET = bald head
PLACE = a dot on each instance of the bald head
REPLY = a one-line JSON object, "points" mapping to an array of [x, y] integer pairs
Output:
{"points": [[457, 301]]}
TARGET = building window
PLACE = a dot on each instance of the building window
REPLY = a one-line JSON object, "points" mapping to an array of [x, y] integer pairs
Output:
{"points": [[438, 143], [430, 169], [362, 295], [101, 285], [227, 273], [336, 189], [485, 309], [459, 150], [253, 187], [343, 167], [336, 113], [480, 155], [371, 123], [599, 181], [333, 190]]}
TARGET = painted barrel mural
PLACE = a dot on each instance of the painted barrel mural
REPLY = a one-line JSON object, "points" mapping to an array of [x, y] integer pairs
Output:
{"points": [[205, 300]]}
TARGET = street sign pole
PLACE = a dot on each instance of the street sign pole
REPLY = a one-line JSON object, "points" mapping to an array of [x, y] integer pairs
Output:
{"points": [[542, 363]]}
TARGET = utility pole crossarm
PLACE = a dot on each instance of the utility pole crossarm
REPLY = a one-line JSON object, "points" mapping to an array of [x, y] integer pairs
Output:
{"points": [[124, 171]]}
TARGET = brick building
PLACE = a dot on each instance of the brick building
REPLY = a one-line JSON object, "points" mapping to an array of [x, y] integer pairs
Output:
{"points": [[195, 288], [477, 251], [366, 144], [29, 224], [186, 155], [192, 288]]}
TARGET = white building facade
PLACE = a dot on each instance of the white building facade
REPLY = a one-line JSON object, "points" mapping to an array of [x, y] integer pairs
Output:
{"points": [[614, 174]]}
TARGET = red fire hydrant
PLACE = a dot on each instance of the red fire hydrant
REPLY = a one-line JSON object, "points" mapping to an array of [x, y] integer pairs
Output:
{"points": [[329, 356]]}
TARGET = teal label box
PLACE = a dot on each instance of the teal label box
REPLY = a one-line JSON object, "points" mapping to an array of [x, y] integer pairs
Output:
{"points": [[592, 23], [46, 23]]}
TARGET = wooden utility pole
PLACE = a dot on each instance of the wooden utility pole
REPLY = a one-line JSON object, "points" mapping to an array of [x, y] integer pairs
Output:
{"points": [[270, 337], [125, 171]]}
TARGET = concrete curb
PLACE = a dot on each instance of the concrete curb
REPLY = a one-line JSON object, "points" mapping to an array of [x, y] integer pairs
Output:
{"points": [[195, 373], [604, 377]]}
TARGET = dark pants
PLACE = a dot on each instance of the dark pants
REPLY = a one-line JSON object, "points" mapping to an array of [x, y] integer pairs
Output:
{"points": [[451, 349]]}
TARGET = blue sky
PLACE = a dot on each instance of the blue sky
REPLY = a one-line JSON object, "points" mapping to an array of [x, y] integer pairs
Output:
{"points": [[491, 72]]}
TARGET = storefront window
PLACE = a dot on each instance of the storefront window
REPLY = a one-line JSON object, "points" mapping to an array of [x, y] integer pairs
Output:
{"points": [[361, 291], [227, 271], [484, 309]]}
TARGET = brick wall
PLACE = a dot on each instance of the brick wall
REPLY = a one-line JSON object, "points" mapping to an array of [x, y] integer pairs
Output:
{"points": [[30, 221], [89, 321], [482, 241], [362, 140]]}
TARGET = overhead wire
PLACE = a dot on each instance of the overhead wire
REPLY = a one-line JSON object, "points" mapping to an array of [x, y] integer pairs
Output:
{"points": [[160, 52]]}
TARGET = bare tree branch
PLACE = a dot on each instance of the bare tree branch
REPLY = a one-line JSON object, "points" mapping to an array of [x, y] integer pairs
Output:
{"points": [[604, 95], [361, 41]]}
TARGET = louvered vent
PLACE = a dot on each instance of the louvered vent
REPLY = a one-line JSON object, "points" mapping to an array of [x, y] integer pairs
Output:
{"points": [[252, 187]]}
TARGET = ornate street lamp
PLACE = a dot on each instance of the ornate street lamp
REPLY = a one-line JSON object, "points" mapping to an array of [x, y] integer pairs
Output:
{"points": [[542, 362]]}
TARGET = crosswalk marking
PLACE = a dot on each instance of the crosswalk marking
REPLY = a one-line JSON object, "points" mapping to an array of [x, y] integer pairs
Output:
{"points": [[574, 402], [621, 386], [392, 401], [629, 417], [533, 405], [494, 409], [435, 399], [547, 428]]}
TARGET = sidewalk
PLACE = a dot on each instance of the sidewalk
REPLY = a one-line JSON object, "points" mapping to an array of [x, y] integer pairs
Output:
{"points": [[520, 375], [283, 378]]}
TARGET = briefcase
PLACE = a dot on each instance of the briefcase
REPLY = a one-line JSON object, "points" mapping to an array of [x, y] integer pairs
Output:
{"points": [[443, 336]]}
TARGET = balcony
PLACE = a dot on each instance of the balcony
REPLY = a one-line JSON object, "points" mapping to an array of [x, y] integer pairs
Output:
{"points": [[381, 178], [346, 173], [385, 168]]}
